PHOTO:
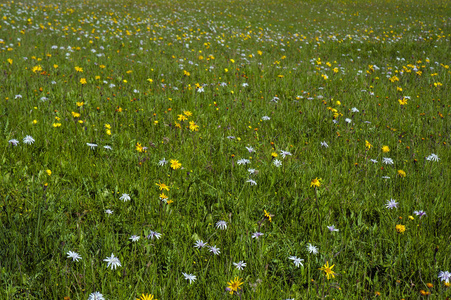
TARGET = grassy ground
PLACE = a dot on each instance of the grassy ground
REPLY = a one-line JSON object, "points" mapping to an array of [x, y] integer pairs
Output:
{"points": [[275, 117]]}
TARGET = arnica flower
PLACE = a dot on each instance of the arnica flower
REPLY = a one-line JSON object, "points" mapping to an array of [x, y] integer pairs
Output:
{"points": [[316, 182], [368, 145], [274, 155], [48, 172], [385, 149], [146, 297], [400, 228], [268, 215], [328, 270], [234, 285], [83, 81], [75, 114], [401, 173], [162, 186], [139, 148], [175, 164]]}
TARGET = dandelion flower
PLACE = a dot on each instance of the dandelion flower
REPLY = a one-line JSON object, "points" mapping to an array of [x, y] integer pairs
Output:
{"points": [[189, 277], [328, 270], [113, 261], [401, 173], [74, 255], [240, 265], [234, 285]]}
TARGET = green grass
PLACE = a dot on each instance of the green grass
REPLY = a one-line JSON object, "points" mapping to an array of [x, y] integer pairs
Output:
{"points": [[306, 66]]}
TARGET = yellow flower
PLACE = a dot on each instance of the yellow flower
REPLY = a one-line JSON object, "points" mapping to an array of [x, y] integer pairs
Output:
{"points": [[401, 173], [56, 125], [80, 104], [55, 66], [316, 182], [83, 81], [385, 149], [234, 285], [274, 154], [78, 69], [182, 118], [193, 126], [146, 297], [35, 121], [36, 69], [108, 132], [139, 148], [403, 101], [150, 80], [175, 164], [268, 215], [163, 196], [188, 113], [368, 145], [107, 126], [400, 228], [48, 172], [162, 186], [328, 270], [75, 114], [10, 61]]}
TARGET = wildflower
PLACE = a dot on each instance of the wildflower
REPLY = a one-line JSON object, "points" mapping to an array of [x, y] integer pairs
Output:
{"points": [[252, 182], [274, 154], [250, 149], [400, 228], [55, 125], [162, 162], [328, 270], [48, 172], [154, 234], [266, 118], [14, 142], [373, 161], [107, 147], [175, 164], [316, 183], [387, 161], [28, 140], [188, 113], [108, 211], [268, 215], [182, 118], [432, 157], [189, 277], [385, 149], [231, 137], [75, 114], [125, 197], [391, 204], [96, 296], [139, 148], [245, 84], [368, 145], [146, 297], [113, 262], [74, 255], [297, 261], [277, 163], [215, 250], [284, 153], [83, 81], [199, 244], [324, 144], [312, 249], [243, 161], [256, 235], [401, 173], [134, 238], [234, 285], [424, 293], [193, 126], [221, 225], [252, 171], [162, 186], [93, 146], [347, 120], [419, 213], [354, 109], [332, 228], [240, 265], [444, 276]]}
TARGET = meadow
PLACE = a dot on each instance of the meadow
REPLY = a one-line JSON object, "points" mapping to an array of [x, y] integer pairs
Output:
{"points": [[225, 149]]}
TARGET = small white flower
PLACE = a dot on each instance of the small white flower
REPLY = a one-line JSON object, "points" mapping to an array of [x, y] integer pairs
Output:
{"points": [[297, 261], [420, 213], [324, 144], [250, 149], [125, 197], [245, 84], [14, 142], [444, 276], [332, 228], [275, 99], [385, 177], [284, 153], [18, 96], [107, 147], [162, 162], [251, 181], [240, 265], [347, 120], [199, 244], [136, 91], [134, 238], [108, 211], [391, 204], [74, 255], [113, 261], [215, 250], [231, 137], [93, 146], [387, 161], [256, 235], [354, 109], [154, 234], [221, 225], [433, 157], [312, 249], [373, 161], [96, 296], [266, 118], [28, 140], [252, 171], [277, 163], [243, 161], [189, 277]]}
